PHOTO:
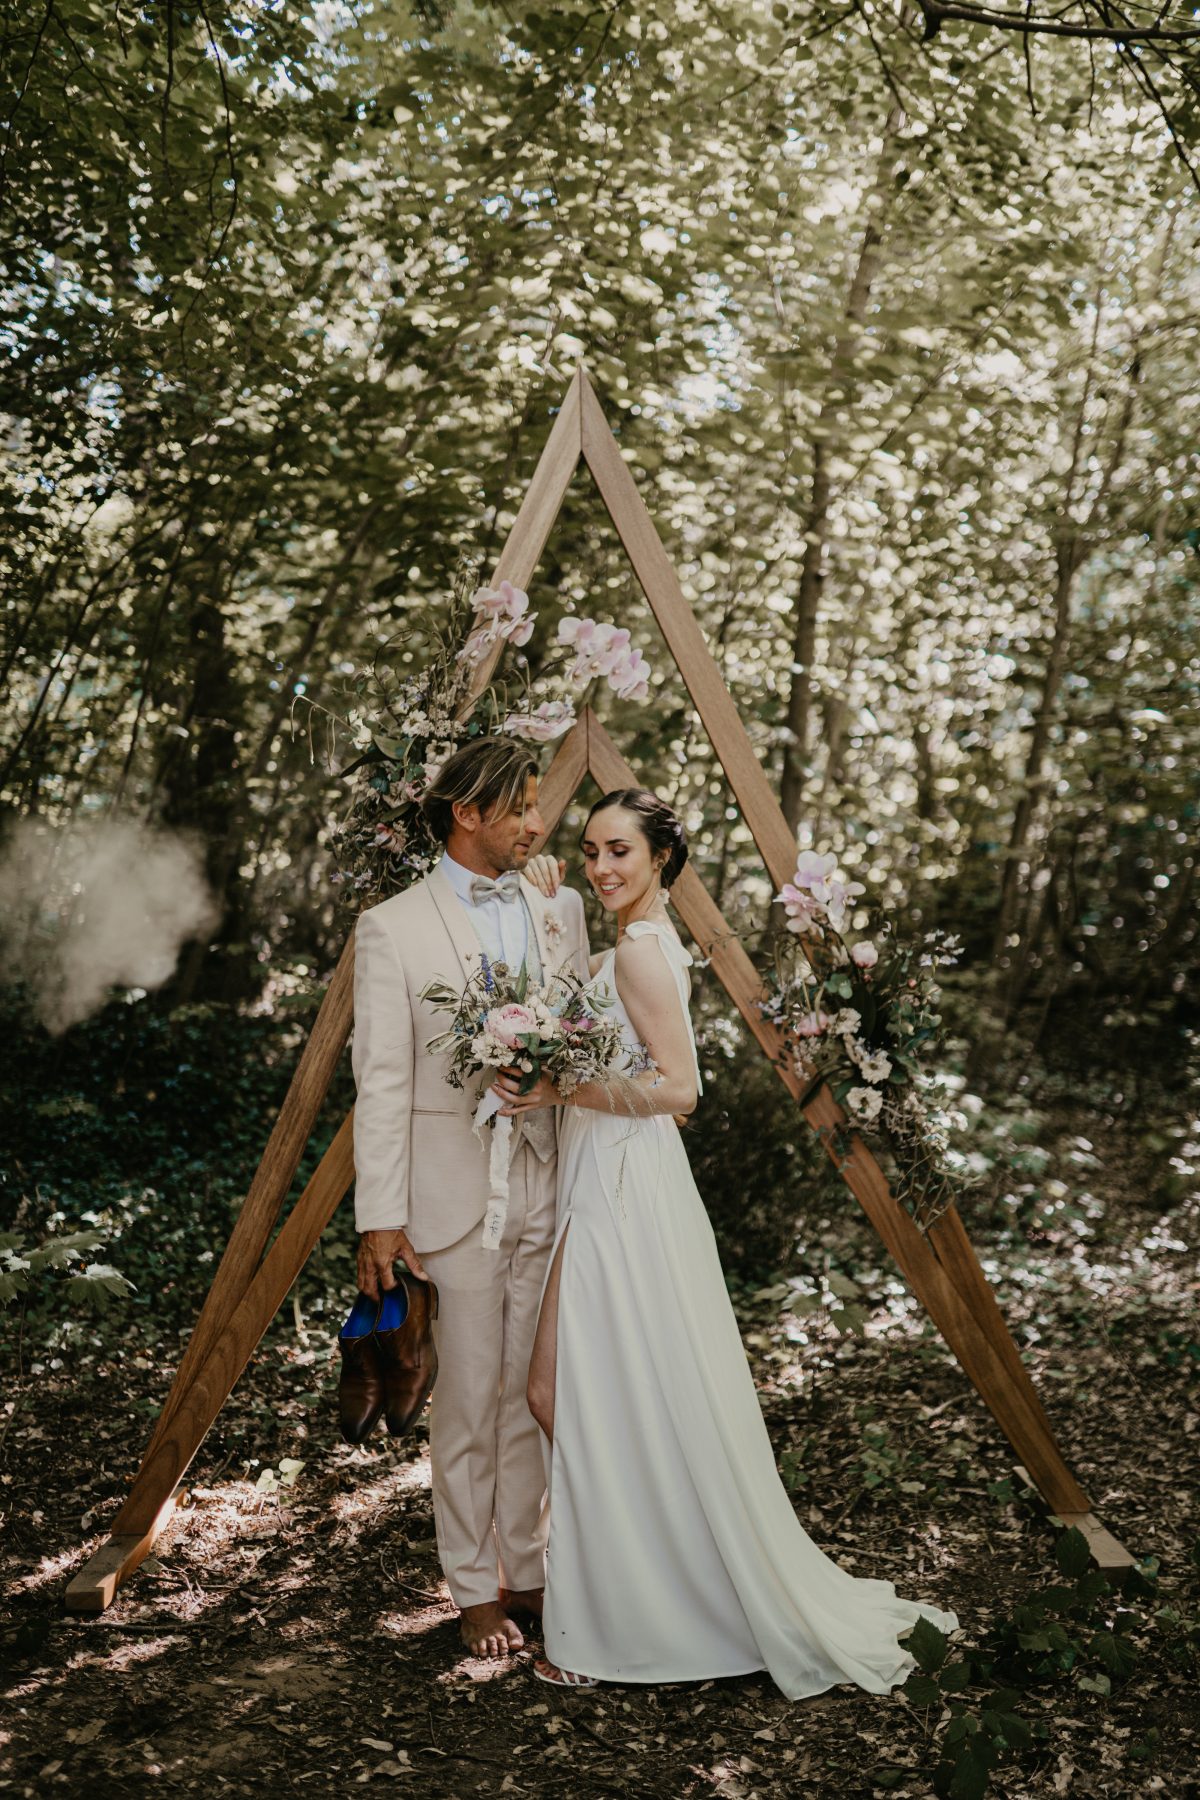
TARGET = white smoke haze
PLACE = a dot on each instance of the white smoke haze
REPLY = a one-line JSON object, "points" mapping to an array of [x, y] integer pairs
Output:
{"points": [[98, 904]]}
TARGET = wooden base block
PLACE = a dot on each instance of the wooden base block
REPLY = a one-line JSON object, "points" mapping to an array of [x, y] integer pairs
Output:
{"points": [[95, 1586], [1107, 1552]]}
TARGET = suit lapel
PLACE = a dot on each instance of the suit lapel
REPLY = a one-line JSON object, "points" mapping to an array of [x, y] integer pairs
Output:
{"points": [[458, 927]]}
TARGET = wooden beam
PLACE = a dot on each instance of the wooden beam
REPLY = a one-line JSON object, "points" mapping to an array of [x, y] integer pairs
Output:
{"points": [[331, 1029], [685, 640], [952, 1248], [268, 1190], [539, 509], [558, 785], [97, 1582], [167, 1461]]}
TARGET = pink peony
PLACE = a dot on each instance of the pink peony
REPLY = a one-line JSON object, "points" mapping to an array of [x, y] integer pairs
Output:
{"points": [[507, 1024], [865, 955], [811, 1024]]}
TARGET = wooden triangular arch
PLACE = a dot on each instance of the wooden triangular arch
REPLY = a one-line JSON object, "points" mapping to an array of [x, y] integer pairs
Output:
{"points": [[249, 1286]]}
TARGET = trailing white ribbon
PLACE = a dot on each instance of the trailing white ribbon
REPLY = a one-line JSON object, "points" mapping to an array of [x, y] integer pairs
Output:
{"points": [[499, 1156]]}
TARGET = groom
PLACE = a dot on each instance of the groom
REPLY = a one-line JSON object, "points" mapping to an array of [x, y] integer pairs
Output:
{"points": [[421, 1173]]}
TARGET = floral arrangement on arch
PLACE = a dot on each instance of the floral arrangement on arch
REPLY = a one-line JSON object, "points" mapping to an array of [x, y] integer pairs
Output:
{"points": [[406, 726], [863, 1017]]}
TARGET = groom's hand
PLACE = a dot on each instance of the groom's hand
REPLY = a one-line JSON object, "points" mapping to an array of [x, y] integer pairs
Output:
{"points": [[377, 1251]]}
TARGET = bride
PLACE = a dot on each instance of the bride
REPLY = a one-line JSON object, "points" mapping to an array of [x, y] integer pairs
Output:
{"points": [[674, 1552]]}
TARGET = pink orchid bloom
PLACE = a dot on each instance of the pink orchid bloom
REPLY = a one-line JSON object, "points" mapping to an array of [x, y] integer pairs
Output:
{"points": [[477, 645], [813, 869], [544, 724], [585, 668], [804, 910], [840, 893], [577, 632], [631, 673], [489, 601]]}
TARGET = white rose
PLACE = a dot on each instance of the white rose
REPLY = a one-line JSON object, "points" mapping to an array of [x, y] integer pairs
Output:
{"points": [[865, 955]]}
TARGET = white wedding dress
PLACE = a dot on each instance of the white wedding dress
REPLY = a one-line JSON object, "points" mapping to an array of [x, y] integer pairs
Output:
{"points": [[674, 1552]]}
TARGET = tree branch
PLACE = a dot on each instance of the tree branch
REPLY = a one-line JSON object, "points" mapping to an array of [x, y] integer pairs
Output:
{"points": [[936, 14]]}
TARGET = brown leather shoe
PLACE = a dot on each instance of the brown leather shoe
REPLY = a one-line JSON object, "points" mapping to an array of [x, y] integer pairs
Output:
{"points": [[361, 1397], [408, 1357]]}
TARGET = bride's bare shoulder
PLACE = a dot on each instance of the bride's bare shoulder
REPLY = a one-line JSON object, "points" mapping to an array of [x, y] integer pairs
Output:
{"points": [[595, 959], [643, 953]]}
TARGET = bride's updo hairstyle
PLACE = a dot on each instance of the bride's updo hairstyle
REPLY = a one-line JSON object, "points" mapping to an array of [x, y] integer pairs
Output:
{"points": [[657, 823]]}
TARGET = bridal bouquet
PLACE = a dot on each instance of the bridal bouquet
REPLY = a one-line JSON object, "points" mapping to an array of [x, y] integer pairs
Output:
{"points": [[503, 1019]]}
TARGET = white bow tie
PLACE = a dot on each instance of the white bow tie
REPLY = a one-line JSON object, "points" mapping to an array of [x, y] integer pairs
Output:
{"points": [[505, 887]]}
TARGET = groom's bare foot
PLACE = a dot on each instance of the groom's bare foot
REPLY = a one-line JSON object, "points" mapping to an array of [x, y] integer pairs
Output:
{"points": [[487, 1630], [522, 1600]]}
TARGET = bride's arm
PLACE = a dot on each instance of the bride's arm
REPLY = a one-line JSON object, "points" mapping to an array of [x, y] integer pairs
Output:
{"points": [[646, 984], [648, 992]]}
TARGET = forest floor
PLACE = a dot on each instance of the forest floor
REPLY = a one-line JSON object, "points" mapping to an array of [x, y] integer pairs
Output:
{"points": [[300, 1640]]}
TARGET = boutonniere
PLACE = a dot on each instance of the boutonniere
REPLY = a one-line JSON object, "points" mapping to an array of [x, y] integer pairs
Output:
{"points": [[554, 927]]}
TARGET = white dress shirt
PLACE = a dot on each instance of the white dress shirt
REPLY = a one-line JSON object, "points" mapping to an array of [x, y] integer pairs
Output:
{"points": [[502, 926]]}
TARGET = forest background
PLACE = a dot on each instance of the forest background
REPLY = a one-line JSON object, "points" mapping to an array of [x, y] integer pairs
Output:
{"points": [[895, 312]]}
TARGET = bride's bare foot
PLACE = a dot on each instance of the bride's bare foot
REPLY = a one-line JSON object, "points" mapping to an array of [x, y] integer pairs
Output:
{"points": [[550, 1672], [522, 1600], [487, 1630]]}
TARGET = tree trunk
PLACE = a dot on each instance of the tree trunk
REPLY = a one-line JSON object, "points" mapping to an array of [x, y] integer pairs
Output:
{"points": [[815, 517]]}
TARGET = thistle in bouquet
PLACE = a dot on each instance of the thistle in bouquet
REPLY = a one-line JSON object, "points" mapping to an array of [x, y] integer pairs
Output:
{"points": [[502, 1020], [863, 1016]]}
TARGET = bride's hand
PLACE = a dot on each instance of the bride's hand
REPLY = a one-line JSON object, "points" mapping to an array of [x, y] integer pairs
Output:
{"points": [[545, 872], [543, 1093]]}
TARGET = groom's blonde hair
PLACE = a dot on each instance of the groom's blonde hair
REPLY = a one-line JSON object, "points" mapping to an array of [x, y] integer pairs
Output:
{"points": [[492, 773]]}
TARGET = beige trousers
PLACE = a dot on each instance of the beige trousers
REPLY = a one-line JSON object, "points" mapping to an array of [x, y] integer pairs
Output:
{"points": [[488, 1475]]}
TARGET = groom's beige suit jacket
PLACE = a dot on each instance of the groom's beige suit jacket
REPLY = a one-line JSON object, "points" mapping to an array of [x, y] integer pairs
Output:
{"points": [[418, 1163]]}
